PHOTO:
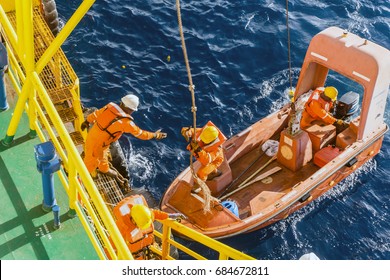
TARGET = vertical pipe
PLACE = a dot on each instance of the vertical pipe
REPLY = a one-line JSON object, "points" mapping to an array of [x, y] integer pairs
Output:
{"points": [[3, 66], [49, 199], [28, 24], [56, 213]]}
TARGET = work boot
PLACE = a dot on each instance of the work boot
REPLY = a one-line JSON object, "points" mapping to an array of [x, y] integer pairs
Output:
{"points": [[214, 174]]}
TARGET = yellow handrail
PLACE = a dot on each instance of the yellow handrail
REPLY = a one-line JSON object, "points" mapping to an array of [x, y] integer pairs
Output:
{"points": [[225, 252]]}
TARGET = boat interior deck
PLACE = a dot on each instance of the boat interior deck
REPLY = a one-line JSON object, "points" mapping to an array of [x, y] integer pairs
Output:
{"points": [[266, 191]]}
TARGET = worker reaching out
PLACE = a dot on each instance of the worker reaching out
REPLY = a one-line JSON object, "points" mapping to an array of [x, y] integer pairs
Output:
{"points": [[108, 125], [206, 146]]}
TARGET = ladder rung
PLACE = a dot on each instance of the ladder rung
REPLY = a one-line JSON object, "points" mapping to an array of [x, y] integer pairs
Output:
{"points": [[60, 96], [76, 138], [66, 115]]}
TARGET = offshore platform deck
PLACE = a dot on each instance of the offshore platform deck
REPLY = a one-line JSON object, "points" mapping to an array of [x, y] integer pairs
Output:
{"points": [[26, 231]]}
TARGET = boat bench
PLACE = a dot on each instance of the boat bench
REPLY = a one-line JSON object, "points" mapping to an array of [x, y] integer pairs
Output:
{"points": [[218, 184]]}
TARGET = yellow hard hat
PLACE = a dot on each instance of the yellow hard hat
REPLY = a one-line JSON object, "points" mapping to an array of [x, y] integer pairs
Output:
{"points": [[141, 215], [331, 92], [209, 134]]}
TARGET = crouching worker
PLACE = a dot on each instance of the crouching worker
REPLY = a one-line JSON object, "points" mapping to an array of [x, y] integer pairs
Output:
{"points": [[108, 125], [206, 147], [135, 222], [319, 106]]}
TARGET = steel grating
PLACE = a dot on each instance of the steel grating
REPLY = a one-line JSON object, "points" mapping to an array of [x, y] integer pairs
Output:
{"points": [[76, 137], [58, 73], [108, 187]]}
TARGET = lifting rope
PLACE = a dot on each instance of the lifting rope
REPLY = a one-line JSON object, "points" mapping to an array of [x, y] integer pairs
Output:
{"points": [[206, 191], [288, 46]]}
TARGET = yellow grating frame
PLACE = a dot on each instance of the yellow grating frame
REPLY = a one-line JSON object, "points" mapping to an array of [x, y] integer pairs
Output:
{"points": [[66, 115], [108, 187], [52, 78], [76, 137]]}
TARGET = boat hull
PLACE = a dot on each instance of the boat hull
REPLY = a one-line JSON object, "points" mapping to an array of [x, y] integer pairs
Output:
{"points": [[274, 201]]}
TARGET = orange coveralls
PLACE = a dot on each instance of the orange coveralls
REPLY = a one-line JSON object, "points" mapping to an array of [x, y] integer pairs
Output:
{"points": [[136, 239], [109, 123], [211, 156], [317, 108]]}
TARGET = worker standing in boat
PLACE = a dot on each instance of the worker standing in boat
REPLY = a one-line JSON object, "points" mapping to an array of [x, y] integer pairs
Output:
{"points": [[108, 125], [206, 146], [318, 107]]}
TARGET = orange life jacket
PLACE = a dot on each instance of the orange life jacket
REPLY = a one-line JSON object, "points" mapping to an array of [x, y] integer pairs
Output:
{"points": [[110, 115], [316, 95], [213, 146], [136, 238]]}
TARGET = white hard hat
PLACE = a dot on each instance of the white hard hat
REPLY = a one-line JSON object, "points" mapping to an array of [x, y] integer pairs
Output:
{"points": [[131, 101]]}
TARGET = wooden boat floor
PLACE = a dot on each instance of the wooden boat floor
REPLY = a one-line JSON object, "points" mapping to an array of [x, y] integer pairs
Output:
{"points": [[263, 193]]}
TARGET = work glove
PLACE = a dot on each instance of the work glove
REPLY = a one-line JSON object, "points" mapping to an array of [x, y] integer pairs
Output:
{"points": [[160, 135], [177, 216], [187, 133], [194, 148], [340, 122], [84, 125]]}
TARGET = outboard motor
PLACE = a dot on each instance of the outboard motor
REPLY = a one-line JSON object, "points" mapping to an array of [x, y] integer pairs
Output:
{"points": [[347, 106]]}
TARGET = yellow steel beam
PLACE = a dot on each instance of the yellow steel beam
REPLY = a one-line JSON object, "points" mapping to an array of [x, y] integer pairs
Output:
{"points": [[224, 250], [19, 28], [63, 35]]}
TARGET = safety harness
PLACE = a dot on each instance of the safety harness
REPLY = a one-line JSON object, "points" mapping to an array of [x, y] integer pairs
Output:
{"points": [[118, 114]]}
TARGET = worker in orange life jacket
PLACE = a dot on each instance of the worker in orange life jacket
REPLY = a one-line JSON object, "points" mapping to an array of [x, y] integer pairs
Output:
{"points": [[108, 125], [135, 222], [206, 146], [318, 107]]}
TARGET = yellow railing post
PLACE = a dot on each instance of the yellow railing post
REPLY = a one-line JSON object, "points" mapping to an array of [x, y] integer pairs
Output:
{"points": [[165, 241], [72, 176]]}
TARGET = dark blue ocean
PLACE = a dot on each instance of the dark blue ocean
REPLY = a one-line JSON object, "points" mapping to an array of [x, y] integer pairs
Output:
{"points": [[238, 55]]}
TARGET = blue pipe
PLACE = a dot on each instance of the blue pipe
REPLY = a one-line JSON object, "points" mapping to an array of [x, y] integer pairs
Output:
{"points": [[47, 164], [3, 66], [56, 212]]}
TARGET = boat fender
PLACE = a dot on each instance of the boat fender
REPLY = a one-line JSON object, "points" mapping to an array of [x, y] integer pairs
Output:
{"points": [[351, 162], [51, 15], [231, 206]]}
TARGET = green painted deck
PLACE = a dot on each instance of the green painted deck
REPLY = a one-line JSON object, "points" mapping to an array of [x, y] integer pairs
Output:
{"points": [[26, 231]]}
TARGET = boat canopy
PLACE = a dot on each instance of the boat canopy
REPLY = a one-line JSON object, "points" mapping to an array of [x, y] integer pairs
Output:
{"points": [[356, 58]]}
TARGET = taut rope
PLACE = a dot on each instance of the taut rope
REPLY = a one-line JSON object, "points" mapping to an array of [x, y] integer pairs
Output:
{"points": [[206, 191]]}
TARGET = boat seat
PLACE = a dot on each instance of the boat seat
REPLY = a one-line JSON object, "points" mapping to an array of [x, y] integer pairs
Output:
{"points": [[321, 135], [346, 138], [218, 184]]}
